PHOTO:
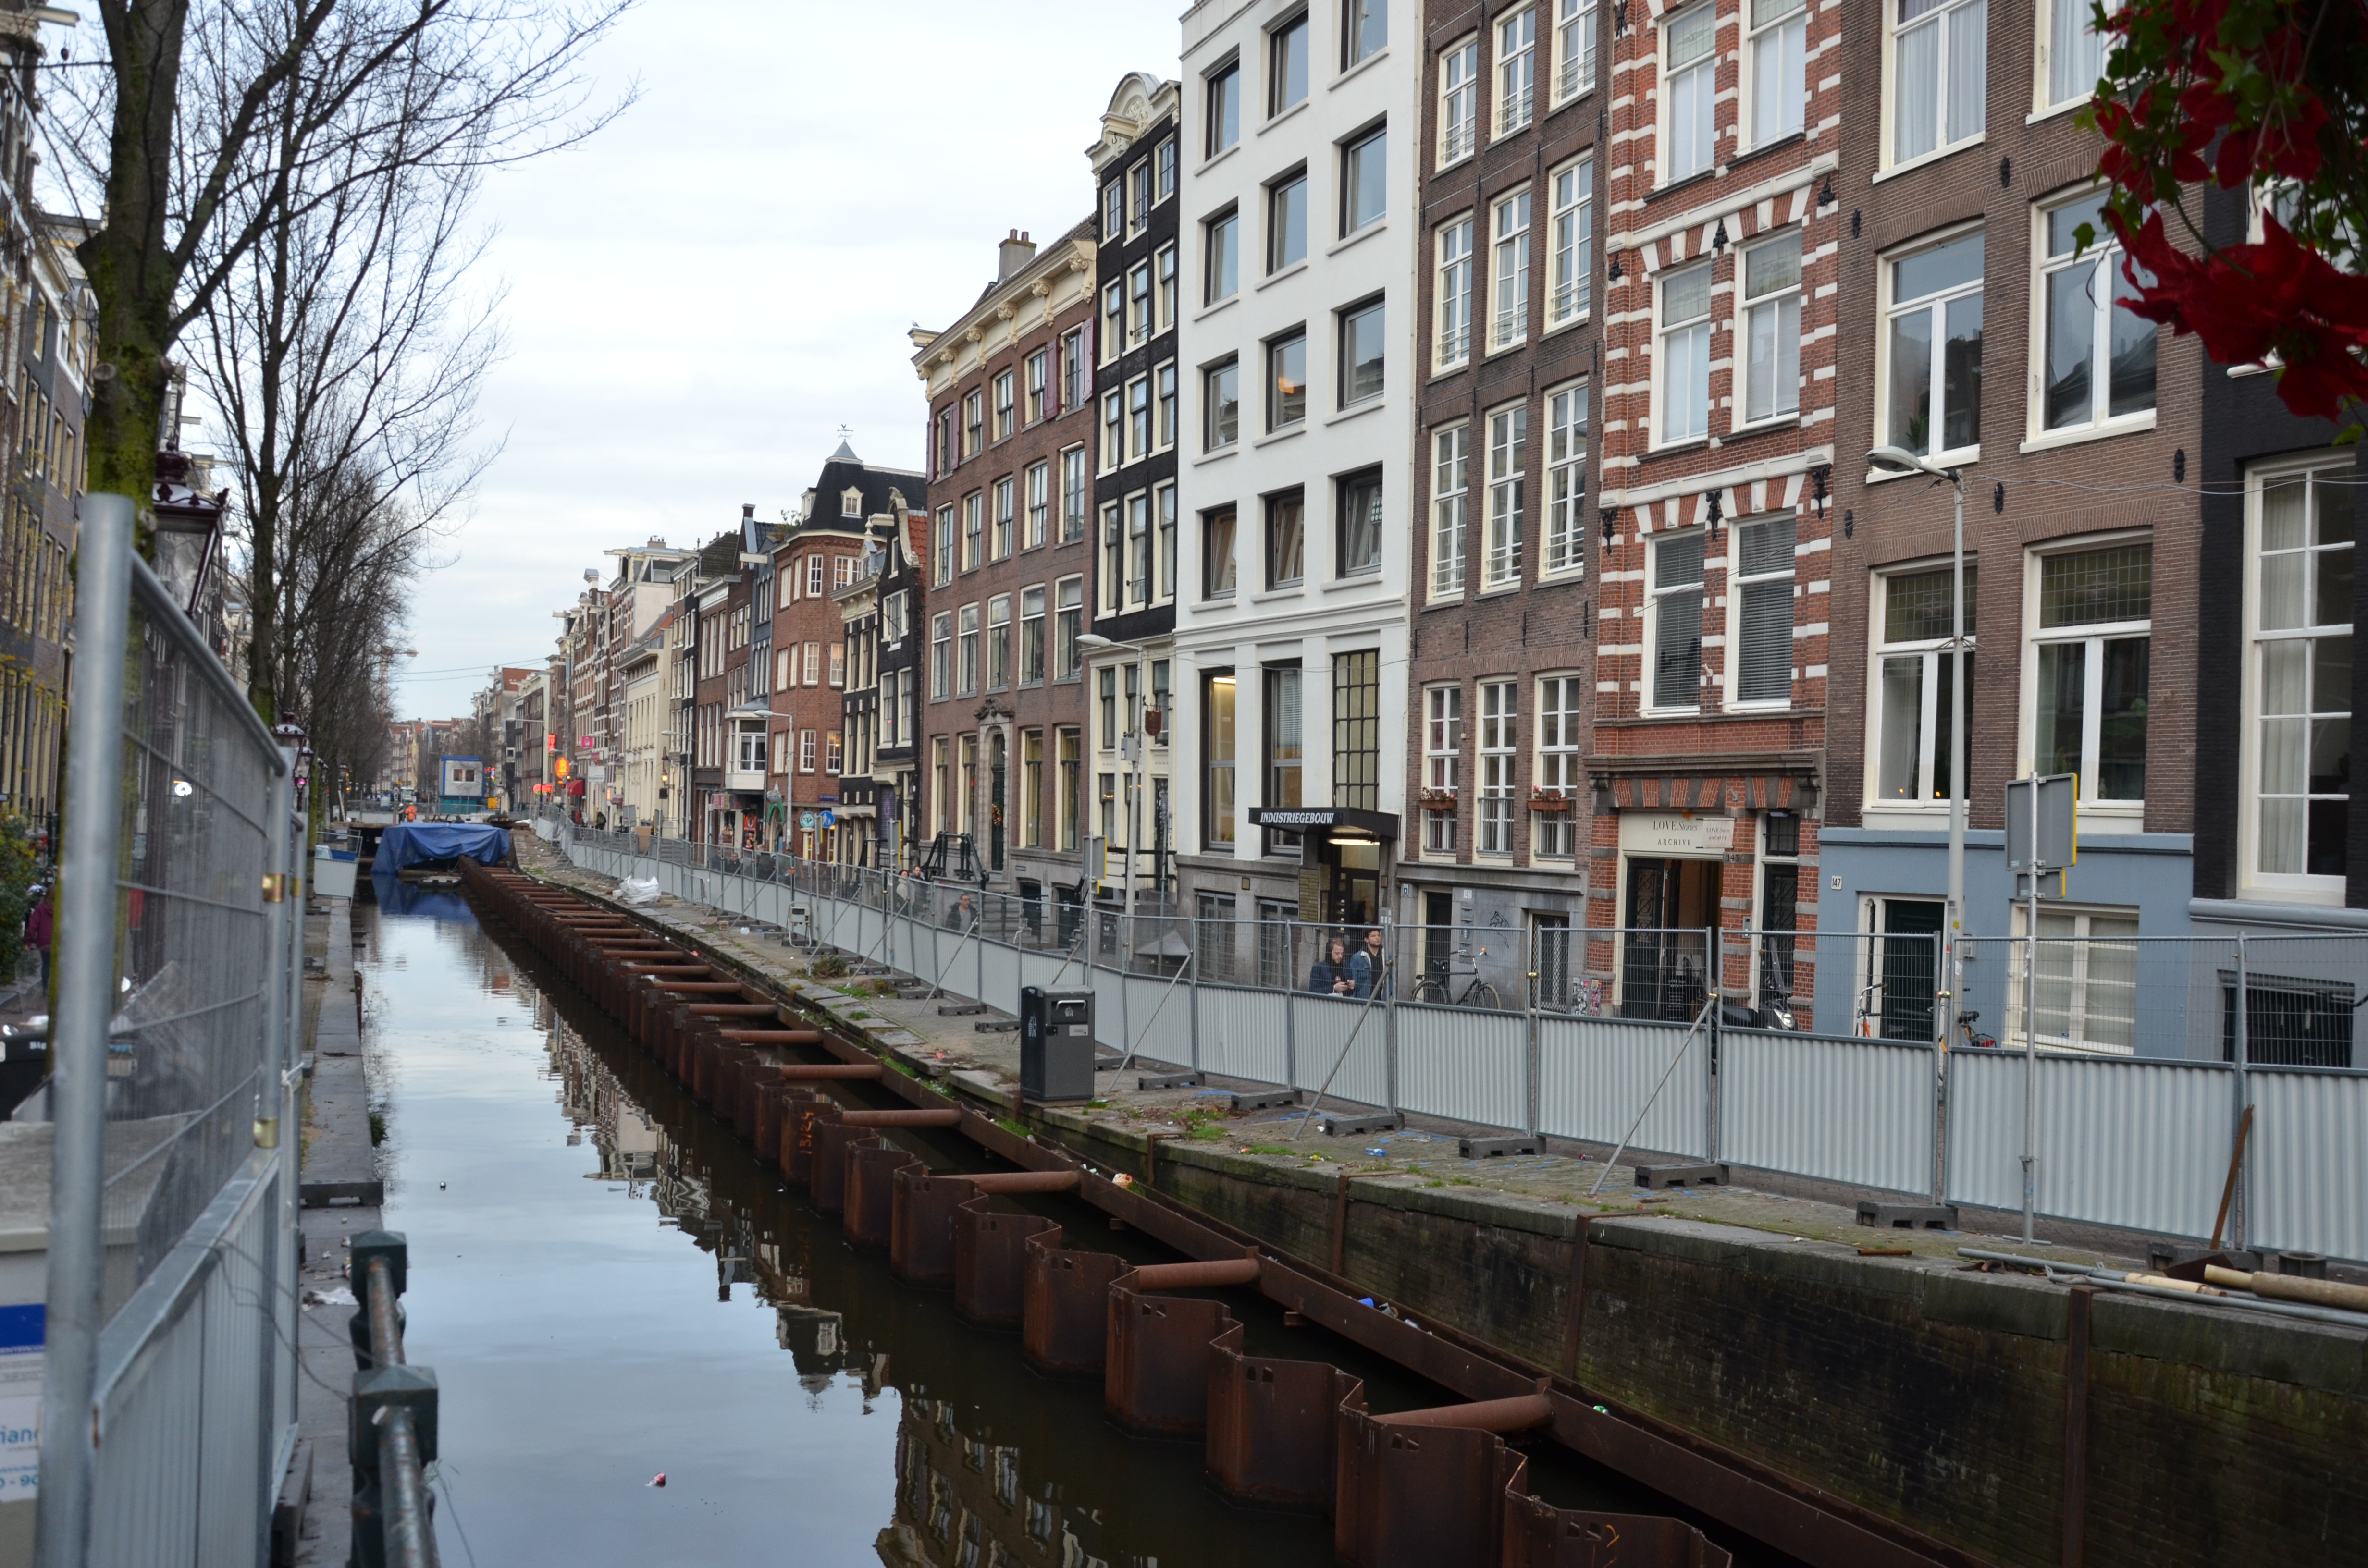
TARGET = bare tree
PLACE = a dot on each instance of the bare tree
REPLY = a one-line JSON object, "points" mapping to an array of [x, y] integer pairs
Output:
{"points": [[215, 120]]}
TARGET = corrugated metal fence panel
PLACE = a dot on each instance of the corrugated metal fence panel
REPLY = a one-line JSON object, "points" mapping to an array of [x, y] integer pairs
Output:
{"points": [[1110, 1020], [1242, 1032], [1049, 971], [1463, 1064], [2120, 1140], [2309, 1162], [1000, 970], [1840, 1110], [1594, 1074], [1159, 1019], [1322, 1028]]}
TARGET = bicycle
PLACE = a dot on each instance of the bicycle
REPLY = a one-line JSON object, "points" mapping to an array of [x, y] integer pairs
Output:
{"points": [[1432, 988], [1965, 1022]]}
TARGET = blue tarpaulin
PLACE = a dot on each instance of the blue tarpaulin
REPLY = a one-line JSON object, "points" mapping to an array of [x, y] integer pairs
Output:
{"points": [[410, 842]]}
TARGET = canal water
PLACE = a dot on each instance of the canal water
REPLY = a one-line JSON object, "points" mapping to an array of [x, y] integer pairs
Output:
{"points": [[610, 1286]]}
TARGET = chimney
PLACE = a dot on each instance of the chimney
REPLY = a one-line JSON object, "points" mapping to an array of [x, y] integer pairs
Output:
{"points": [[1012, 255], [747, 511]]}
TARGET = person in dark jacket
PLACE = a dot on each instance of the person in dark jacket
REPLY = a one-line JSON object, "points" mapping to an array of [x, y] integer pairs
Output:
{"points": [[36, 931], [1330, 976], [1370, 971]]}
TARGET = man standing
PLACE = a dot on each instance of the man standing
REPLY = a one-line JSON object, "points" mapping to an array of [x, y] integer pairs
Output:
{"points": [[1370, 968]]}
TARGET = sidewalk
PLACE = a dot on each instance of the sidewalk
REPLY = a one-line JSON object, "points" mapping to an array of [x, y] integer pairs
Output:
{"points": [[1424, 1156]]}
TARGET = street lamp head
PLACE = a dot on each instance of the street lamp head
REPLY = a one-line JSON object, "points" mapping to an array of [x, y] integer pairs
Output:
{"points": [[1898, 460], [1094, 640]]}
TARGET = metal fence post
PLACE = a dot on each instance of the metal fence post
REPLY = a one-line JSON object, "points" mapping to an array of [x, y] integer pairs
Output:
{"points": [[1389, 1008], [1716, 966], [1193, 996], [2244, 1051], [86, 982]]}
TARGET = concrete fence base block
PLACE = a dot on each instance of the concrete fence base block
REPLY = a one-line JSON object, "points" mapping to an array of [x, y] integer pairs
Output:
{"points": [[1907, 1215], [1336, 1126], [1492, 1148], [1686, 1176], [1150, 1081], [1265, 1099]]}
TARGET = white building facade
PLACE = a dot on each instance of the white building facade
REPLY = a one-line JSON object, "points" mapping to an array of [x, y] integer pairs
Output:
{"points": [[1297, 352]]}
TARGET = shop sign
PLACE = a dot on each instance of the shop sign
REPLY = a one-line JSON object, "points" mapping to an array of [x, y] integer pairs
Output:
{"points": [[1675, 833]]}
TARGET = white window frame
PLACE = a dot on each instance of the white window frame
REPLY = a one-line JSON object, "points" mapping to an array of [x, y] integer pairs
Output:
{"points": [[2095, 634], [1932, 655], [1778, 47], [1943, 15], [1442, 764], [1515, 37], [1004, 525], [969, 662], [1499, 756], [941, 656], [1655, 593], [2074, 965], [1451, 255], [2105, 254], [1691, 89], [1450, 509], [1459, 100], [1559, 767], [1566, 489], [1740, 591], [1508, 476], [1574, 29], [1039, 504], [1074, 492], [1570, 241], [2300, 887], [1113, 441], [1781, 309], [1697, 332], [1936, 304], [998, 643], [2045, 101], [1163, 287], [1512, 219]]}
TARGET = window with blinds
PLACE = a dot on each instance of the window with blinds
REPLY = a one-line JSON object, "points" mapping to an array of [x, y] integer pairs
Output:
{"points": [[1676, 622], [1764, 589]]}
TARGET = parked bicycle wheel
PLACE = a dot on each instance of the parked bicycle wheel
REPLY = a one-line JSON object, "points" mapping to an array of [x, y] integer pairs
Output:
{"points": [[1484, 996], [1430, 989]]}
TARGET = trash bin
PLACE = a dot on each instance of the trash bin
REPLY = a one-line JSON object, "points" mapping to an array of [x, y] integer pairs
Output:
{"points": [[1056, 1045], [333, 872]]}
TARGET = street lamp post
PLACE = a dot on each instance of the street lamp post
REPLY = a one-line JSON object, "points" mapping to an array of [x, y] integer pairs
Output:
{"points": [[1898, 459]]}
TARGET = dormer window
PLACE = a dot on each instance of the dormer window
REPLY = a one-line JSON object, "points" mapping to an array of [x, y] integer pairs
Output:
{"points": [[851, 502]]}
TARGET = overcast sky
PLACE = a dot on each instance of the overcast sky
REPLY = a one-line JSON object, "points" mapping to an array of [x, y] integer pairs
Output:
{"points": [[702, 297]]}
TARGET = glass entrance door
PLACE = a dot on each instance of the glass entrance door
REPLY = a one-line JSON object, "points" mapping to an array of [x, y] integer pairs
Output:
{"points": [[1666, 945]]}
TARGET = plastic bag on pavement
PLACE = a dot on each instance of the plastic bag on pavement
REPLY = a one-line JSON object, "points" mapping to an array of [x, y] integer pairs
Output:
{"points": [[636, 891]]}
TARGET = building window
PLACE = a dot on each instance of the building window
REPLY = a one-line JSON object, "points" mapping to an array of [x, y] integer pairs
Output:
{"points": [[1566, 479], [1071, 763], [941, 656], [1032, 786], [1451, 505], [1031, 636], [1225, 109], [1040, 375], [1364, 181], [974, 423], [1217, 829], [1772, 328], [2298, 679], [750, 743], [1779, 78], [834, 753], [1573, 49], [838, 663], [1762, 593], [1454, 294], [941, 785], [1113, 561], [1914, 706], [1286, 222], [1459, 101], [1005, 411], [1139, 306], [1113, 209], [1040, 504], [1283, 751], [2087, 994], [1286, 538], [1442, 757], [1509, 462], [1108, 797], [1939, 75], [1164, 160], [1357, 730], [1113, 319], [1936, 297], [1358, 533], [1689, 87], [1554, 835], [1676, 610], [2099, 358], [1162, 385], [1221, 401], [1217, 572], [1363, 347], [1163, 506], [816, 565], [2088, 663], [1366, 27], [1570, 289], [1073, 495], [1509, 292], [998, 643], [966, 800], [1138, 213], [1107, 684], [946, 458], [1006, 501], [1138, 419], [1163, 267], [1138, 552], [973, 507], [1685, 356], [1500, 709], [1223, 243], [1113, 430], [1517, 69], [1286, 381], [2071, 55], [1072, 369], [1286, 65], [1068, 625], [966, 650]]}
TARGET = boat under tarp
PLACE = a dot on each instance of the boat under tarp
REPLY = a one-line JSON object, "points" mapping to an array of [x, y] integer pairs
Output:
{"points": [[409, 844]]}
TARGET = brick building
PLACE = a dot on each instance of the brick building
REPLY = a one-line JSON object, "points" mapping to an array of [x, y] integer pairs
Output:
{"points": [[1718, 407], [893, 669], [1003, 710], [1497, 863], [729, 730]]}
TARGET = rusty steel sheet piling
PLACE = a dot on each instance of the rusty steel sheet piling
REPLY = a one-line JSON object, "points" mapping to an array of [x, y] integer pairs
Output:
{"points": [[1271, 1425], [1539, 1535], [947, 1117], [869, 1215], [991, 1261], [1064, 1324], [1415, 1496], [921, 1232], [1156, 1378], [826, 1177], [817, 1072]]}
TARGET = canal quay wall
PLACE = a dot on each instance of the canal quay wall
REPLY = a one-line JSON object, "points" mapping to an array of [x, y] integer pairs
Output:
{"points": [[2000, 1418]]}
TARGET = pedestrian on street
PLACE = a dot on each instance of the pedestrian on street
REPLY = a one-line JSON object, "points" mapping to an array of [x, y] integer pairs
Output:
{"points": [[1371, 967], [1330, 977], [36, 931]]}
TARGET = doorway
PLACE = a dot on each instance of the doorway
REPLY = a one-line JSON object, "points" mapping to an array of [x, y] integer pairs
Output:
{"points": [[1438, 935], [1665, 947], [1349, 875], [1907, 967]]}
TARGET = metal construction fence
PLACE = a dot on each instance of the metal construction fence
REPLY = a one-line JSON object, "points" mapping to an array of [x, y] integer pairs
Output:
{"points": [[169, 1363], [1826, 1062]]}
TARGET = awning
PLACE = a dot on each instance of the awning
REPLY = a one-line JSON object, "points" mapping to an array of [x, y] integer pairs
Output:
{"points": [[1310, 819]]}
